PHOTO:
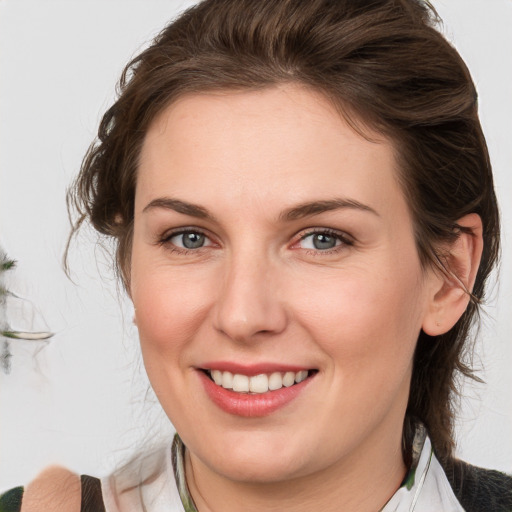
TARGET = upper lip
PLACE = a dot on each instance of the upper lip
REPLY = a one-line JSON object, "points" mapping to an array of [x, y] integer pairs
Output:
{"points": [[252, 369]]}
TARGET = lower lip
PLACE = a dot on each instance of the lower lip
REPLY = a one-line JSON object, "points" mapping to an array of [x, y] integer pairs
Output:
{"points": [[251, 405]]}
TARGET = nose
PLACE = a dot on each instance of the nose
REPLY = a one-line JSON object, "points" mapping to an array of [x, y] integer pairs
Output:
{"points": [[249, 303]]}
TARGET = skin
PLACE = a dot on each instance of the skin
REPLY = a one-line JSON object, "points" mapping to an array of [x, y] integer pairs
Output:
{"points": [[56, 489], [259, 291]]}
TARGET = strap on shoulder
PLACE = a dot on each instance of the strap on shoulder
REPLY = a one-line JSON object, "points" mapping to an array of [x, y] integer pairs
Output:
{"points": [[10, 501], [92, 497]]}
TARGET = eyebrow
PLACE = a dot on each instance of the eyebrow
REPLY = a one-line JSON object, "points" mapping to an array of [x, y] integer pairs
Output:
{"points": [[316, 207], [300, 211], [167, 203]]}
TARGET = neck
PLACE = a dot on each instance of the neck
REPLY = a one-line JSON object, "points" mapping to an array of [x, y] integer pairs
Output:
{"points": [[360, 483]]}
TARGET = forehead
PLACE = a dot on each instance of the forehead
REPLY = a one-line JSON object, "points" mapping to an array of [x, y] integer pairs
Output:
{"points": [[256, 145]]}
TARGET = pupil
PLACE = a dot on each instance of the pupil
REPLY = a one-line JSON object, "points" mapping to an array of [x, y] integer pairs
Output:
{"points": [[321, 241], [193, 240]]}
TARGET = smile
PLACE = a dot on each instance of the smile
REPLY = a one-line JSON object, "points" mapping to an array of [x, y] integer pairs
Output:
{"points": [[254, 391], [262, 383]]}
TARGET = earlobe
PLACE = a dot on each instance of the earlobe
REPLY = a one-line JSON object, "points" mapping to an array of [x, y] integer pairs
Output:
{"points": [[451, 290]]}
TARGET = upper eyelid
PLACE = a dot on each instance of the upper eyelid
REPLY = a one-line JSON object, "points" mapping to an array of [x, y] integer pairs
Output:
{"points": [[313, 230], [186, 229]]}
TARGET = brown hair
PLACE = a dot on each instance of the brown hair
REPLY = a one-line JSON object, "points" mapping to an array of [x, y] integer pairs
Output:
{"points": [[386, 67]]}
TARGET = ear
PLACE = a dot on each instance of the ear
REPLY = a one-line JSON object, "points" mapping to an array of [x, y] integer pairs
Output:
{"points": [[449, 296]]}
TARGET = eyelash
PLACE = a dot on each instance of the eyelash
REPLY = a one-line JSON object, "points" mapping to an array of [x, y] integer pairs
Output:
{"points": [[165, 240], [343, 238]]}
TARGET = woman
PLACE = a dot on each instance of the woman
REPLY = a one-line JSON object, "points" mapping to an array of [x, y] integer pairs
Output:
{"points": [[304, 209]]}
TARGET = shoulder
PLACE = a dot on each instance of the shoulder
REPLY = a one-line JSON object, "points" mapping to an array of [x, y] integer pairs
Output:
{"points": [[479, 489], [56, 489]]}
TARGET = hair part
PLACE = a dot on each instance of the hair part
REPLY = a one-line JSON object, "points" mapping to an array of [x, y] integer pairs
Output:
{"points": [[385, 67]]}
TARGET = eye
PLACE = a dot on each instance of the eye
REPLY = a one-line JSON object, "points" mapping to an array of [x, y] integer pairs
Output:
{"points": [[188, 240], [324, 240]]}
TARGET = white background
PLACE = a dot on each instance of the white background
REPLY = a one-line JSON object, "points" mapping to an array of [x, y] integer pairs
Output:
{"points": [[82, 402]]}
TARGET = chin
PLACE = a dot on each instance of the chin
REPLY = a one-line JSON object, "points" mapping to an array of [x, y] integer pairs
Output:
{"points": [[258, 471], [258, 458]]}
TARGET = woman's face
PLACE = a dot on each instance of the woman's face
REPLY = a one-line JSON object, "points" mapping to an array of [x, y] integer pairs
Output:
{"points": [[273, 243]]}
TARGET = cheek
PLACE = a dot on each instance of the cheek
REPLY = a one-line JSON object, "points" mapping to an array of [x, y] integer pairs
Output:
{"points": [[365, 318], [169, 307]]}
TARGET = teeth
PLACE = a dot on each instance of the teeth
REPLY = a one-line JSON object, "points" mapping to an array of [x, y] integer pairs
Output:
{"points": [[217, 377], [240, 383], [258, 383], [300, 376], [227, 380], [275, 381], [289, 379]]}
